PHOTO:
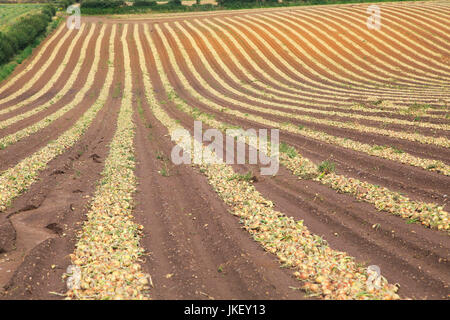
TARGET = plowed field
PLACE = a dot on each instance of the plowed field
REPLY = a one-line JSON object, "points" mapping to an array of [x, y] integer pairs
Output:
{"points": [[86, 178]]}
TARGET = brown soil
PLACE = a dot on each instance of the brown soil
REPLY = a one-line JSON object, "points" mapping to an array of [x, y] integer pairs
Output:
{"points": [[25, 147], [400, 177], [353, 222], [54, 207], [18, 84], [195, 249]]}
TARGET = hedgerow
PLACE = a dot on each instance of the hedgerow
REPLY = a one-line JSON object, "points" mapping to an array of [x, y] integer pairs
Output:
{"points": [[65, 3], [23, 32], [102, 4], [144, 3]]}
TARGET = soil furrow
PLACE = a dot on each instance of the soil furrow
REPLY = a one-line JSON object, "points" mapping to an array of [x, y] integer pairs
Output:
{"points": [[55, 207], [27, 146]]}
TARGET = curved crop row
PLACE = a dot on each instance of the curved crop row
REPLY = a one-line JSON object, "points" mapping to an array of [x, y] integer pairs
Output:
{"points": [[335, 89], [231, 89], [336, 99], [17, 179], [406, 52], [308, 97], [440, 141], [430, 39], [432, 13], [35, 127], [337, 86], [322, 271], [50, 83], [375, 150], [108, 249], [338, 59], [429, 214], [384, 65], [279, 58]]}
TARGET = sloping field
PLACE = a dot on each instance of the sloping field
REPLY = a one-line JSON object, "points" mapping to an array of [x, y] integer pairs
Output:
{"points": [[86, 178], [9, 13]]}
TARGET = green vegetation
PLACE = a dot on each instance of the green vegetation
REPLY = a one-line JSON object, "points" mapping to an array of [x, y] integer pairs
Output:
{"points": [[290, 151], [98, 7], [378, 102], [144, 3], [326, 167], [411, 221], [63, 4], [23, 32], [10, 13], [397, 150], [249, 177], [164, 171], [102, 4], [117, 92], [416, 107], [18, 40]]}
